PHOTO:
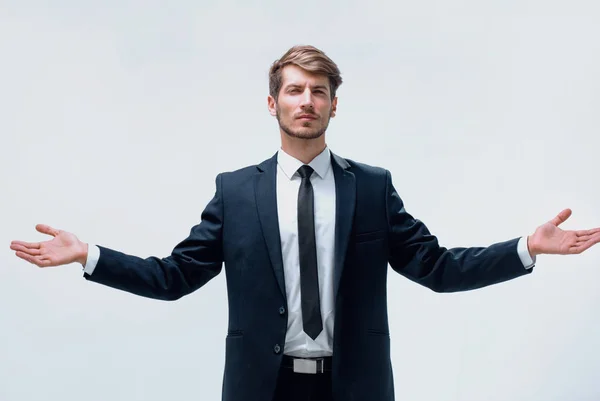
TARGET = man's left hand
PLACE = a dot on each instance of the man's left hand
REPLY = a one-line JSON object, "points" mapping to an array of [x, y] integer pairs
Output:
{"points": [[549, 239]]}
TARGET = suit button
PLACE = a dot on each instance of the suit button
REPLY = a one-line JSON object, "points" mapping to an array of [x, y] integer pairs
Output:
{"points": [[282, 310], [277, 349]]}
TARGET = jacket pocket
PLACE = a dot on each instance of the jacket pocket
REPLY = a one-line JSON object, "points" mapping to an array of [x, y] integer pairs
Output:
{"points": [[235, 333], [370, 236], [373, 332]]}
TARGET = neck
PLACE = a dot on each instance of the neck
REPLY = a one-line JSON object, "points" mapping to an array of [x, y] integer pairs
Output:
{"points": [[304, 150]]}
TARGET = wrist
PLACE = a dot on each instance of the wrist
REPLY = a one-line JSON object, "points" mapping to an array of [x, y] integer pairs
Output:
{"points": [[531, 247], [83, 254]]}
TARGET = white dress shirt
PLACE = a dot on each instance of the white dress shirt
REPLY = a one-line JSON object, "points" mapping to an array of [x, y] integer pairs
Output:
{"points": [[298, 343]]}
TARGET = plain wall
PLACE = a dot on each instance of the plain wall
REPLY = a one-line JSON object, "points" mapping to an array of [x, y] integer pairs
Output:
{"points": [[116, 116]]}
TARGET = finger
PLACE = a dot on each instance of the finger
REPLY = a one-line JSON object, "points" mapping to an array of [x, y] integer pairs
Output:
{"points": [[24, 249], [585, 245], [561, 217], [576, 250], [587, 232], [591, 237], [36, 260], [45, 229], [593, 240], [30, 245], [580, 248]]}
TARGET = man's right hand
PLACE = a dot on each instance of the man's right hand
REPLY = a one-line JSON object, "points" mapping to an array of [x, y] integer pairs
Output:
{"points": [[63, 249]]}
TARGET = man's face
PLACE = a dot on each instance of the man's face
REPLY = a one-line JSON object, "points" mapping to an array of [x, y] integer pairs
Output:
{"points": [[304, 106]]}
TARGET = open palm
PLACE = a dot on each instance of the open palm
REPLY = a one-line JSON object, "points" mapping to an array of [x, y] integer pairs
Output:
{"points": [[62, 249], [549, 239]]}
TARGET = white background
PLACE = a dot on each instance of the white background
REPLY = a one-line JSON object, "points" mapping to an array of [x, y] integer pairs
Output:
{"points": [[116, 116]]}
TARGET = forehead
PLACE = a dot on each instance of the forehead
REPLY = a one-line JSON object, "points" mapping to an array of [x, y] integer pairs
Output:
{"points": [[294, 75]]}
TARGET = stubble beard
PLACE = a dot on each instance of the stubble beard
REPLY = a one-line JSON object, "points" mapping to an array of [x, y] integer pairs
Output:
{"points": [[306, 133]]}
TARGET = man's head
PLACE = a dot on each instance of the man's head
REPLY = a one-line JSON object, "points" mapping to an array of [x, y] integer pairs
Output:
{"points": [[302, 91]]}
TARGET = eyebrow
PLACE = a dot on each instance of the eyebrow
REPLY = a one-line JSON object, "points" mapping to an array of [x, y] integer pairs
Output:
{"points": [[292, 85]]}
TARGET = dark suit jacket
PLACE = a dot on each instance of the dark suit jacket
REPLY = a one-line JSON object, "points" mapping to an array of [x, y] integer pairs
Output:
{"points": [[240, 228]]}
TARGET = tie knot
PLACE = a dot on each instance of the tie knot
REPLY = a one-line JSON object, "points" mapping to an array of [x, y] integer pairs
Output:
{"points": [[305, 171]]}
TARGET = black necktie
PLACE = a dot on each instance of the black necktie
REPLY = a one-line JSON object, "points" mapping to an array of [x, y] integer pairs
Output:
{"points": [[309, 279]]}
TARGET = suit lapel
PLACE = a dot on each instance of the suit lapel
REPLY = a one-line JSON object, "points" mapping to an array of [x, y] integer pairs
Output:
{"points": [[345, 201], [265, 192]]}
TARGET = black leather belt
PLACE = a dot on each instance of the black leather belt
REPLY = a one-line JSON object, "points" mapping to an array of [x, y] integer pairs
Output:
{"points": [[307, 365]]}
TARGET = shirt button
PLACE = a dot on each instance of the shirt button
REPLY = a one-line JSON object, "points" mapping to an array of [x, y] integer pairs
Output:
{"points": [[277, 349], [281, 310]]}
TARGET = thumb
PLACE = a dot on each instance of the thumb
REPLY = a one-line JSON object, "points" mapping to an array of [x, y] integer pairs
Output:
{"points": [[561, 217], [45, 229]]}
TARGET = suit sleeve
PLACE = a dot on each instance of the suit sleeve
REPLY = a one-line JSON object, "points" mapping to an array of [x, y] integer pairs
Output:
{"points": [[192, 263], [416, 254]]}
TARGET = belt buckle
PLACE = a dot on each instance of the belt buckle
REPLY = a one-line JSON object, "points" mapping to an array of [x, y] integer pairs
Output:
{"points": [[308, 366]]}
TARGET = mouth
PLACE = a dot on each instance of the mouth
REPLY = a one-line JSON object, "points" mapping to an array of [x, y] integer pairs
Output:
{"points": [[307, 117]]}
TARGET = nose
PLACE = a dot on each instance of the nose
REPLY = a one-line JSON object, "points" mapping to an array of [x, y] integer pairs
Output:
{"points": [[307, 99]]}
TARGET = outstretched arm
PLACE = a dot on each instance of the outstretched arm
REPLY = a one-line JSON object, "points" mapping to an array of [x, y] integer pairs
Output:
{"points": [[415, 253], [192, 263]]}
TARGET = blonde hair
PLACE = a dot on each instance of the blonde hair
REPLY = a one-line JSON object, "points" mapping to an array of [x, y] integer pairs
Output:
{"points": [[308, 58]]}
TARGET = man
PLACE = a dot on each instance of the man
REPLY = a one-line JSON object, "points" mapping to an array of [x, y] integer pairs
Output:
{"points": [[306, 238]]}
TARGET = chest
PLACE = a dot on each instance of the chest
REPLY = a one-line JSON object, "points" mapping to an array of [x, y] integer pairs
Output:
{"points": [[324, 198]]}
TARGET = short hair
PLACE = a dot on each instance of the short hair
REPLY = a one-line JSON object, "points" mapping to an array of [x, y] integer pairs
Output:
{"points": [[308, 58]]}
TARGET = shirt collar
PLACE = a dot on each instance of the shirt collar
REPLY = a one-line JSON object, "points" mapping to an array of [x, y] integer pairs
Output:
{"points": [[290, 165]]}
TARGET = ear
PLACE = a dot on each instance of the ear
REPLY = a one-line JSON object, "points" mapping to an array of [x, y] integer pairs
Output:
{"points": [[334, 106], [272, 105]]}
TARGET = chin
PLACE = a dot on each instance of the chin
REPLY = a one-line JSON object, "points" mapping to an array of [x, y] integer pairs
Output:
{"points": [[305, 134], [305, 130]]}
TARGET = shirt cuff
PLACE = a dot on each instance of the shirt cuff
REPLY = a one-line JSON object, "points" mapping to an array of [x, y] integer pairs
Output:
{"points": [[92, 259], [526, 259]]}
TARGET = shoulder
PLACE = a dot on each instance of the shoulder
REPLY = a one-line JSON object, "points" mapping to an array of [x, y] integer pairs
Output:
{"points": [[238, 178], [241, 173], [368, 177], [246, 173], [359, 168]]}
